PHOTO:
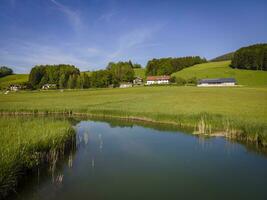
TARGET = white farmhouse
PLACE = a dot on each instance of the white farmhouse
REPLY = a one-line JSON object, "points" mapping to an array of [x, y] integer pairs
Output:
{"points": [[216, 82], [126, 85], [158, 80]]}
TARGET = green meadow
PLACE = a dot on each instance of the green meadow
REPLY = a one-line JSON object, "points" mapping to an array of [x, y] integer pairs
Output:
{"points": [[13, 79], [222, 70], [238, 110], [26, 143]]}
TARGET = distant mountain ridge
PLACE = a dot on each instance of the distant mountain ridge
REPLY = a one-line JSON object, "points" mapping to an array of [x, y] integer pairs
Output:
{"points": [[224, 57]]}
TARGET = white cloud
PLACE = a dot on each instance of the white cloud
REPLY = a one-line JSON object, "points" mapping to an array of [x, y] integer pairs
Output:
{"points": [[137, 38], [72, 15]]}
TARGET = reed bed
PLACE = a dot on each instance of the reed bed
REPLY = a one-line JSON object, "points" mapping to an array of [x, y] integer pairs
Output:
{"points": [[26, 143]]}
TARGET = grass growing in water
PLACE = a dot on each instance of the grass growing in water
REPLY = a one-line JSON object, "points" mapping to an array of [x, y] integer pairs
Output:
{"points": [[25, 143]]}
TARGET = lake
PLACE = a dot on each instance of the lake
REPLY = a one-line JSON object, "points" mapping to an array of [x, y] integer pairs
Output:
{"points": [[129, 161]]}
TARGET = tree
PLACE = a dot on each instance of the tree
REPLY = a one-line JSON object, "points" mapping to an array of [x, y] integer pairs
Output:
{"points": [[252, 57], [72, 81], [121, 72], [136, 66], [54, 74], [4, 71], [79, 82], [167, 66], [62, 81], [86, 81]]}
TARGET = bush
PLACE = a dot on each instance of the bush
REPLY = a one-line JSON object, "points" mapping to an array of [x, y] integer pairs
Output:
{"points": [[192, 81], [4, 71], [180, 81]]}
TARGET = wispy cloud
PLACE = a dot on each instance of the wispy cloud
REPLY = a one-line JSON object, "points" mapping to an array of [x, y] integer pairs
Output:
{"points": [[28, 54], [107, 16], [72, 15], [137, 38]]}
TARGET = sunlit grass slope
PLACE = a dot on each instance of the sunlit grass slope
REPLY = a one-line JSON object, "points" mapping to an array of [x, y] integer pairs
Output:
{"points": [[13, 79], [222, 70]]}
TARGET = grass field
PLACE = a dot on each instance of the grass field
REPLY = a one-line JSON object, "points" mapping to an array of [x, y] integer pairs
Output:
{"points": [[13, 79], [25, 142], [242, 108], [222, 70]]}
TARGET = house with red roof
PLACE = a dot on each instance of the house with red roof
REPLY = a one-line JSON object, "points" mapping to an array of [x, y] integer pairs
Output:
{"points": [[158, 80]]}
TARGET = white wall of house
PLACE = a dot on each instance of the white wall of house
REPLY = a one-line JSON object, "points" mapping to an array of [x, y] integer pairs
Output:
{"points": [[125, 85], [157, 82], [215, 85]]}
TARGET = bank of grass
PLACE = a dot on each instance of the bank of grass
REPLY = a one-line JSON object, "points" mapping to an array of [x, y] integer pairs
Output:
{"points": [[13, 79], [223, 70], [25, 143], [234, 112]]}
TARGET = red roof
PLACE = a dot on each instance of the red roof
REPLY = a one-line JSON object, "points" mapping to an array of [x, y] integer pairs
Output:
{"points": [[158, 78]]}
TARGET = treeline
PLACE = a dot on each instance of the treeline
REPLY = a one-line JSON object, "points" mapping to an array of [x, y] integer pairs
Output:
{"points": [[68, 76], [113, 75], [228, 56], [64, 76], [252, 57], [4, 71], [167, 66]]}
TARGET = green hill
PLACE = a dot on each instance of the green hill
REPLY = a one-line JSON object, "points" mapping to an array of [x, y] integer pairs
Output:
{"points": [[13, 79], [222, 70], [224, 57], [141, 72]]}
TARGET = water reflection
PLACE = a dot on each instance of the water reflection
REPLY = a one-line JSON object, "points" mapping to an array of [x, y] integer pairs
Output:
{"points": [[150, 162]]}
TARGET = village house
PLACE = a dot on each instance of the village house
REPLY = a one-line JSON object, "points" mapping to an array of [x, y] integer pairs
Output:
{"points": [[126, 85], [14, 87], [216, 82], [49, 86], [158, 80], [138, 81]]}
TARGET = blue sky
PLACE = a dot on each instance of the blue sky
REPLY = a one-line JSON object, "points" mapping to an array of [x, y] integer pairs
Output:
{"points": [[90, 33]]}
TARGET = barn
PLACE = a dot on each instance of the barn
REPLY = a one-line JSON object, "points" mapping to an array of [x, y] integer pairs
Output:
{"points": [[216, 82]]}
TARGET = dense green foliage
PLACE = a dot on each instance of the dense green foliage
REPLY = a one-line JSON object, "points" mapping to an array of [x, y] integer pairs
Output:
{"points": [[25, 142], [223, 70], [67, 76], [52, 74], [121, 72], [252, 57], [167, 66], [64, 76], [140, 72], [5, 71], [225, 57], [101, 78]]}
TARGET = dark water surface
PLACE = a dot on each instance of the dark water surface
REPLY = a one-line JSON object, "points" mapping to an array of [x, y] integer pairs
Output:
{"points": [[134, 162]]}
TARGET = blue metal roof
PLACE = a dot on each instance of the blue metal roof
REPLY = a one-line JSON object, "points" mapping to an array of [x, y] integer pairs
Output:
{"points": [[217, 80]]}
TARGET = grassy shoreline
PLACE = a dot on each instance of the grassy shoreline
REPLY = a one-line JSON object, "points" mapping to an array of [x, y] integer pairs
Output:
{"points": [[28, 143], [234, 112], [202, 124]]}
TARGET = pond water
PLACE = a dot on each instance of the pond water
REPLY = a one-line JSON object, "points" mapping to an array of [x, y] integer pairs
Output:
{"points": [[136, 162]]}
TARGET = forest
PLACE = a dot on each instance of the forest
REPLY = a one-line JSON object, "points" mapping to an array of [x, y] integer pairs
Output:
{"points": [[253, 57], [167, 66], [68, 76]]}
